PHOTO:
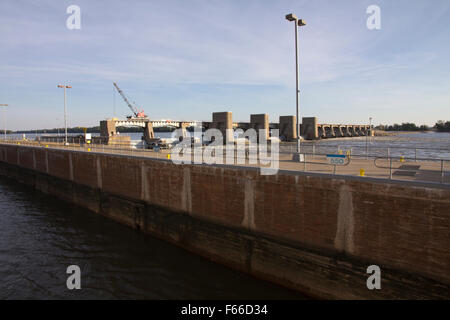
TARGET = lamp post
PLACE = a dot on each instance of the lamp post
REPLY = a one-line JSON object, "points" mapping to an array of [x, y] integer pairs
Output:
{"points": [[4, 117], [298, 23], [65, 109]]}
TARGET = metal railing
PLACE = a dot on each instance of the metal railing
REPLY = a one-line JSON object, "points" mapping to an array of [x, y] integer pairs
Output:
{"points": [[403, 160], [372, 152]]}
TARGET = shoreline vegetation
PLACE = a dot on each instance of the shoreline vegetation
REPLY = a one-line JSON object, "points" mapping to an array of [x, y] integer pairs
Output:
{"points": [[440, 126]]}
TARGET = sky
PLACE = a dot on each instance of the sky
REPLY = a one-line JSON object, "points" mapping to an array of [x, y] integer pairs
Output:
{"points": [[186, 59]]}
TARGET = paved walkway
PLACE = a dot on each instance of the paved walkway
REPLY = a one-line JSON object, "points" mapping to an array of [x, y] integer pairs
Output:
{"points": [[410, 170], [378, 168]]}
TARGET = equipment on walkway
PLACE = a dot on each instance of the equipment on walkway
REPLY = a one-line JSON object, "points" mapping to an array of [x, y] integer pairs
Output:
{"points": [[138, 113]]}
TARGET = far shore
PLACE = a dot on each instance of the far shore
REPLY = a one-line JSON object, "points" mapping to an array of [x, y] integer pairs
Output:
{"points": [[381, 133]]}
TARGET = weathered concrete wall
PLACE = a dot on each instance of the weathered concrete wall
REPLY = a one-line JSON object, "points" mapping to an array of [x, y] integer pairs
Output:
{"points": [[287, 127], [309, 128], [148, 131], [311, 232], [223, 121], [107, 128], [258, 122]]}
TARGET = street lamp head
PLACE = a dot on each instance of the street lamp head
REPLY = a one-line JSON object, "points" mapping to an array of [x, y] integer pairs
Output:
{"points": [[69, 87], [291, 17], [60, 86], [301, 23]]}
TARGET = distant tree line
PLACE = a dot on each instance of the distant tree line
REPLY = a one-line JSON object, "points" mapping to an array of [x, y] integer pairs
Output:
{"points": [[440, 126], [61, 130], [407, 126]]}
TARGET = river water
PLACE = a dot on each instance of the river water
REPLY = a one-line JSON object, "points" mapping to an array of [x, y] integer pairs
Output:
{"points": [[425, 145], [41, 236]]}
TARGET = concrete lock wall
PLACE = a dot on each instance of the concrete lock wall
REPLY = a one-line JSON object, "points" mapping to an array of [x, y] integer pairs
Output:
{"points": [[315, 233]]}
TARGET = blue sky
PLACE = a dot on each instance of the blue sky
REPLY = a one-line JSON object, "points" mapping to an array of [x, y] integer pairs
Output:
{"points": [[187, 59]]}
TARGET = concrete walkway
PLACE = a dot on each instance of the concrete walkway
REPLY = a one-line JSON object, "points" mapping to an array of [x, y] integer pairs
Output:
{"points": [[378, 168]]}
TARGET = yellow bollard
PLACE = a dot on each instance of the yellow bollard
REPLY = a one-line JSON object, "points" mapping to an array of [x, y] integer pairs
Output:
{"points": [[402, 159], [348, 153], [168, 156], [362, 172], [89, 149]]}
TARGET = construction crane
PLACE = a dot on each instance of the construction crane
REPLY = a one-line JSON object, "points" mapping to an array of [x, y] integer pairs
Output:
{"points": [[139, 114]]}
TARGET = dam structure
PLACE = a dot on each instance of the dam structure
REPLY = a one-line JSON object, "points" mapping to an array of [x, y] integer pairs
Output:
{"points": [[312, 130], [223, 121], [313, 232]]}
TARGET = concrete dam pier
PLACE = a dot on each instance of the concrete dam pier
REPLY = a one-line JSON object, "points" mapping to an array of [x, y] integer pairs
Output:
{"points": [[313, 232]]}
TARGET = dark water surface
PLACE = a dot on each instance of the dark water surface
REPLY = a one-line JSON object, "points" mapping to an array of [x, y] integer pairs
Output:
{"points": [[41, 236]]}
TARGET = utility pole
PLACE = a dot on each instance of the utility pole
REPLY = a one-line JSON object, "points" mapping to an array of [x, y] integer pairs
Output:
{"points": [[65, 110], [4, 117]]}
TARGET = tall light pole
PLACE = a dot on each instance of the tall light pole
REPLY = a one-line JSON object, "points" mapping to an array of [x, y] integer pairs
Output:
{"points": [[65, 108], [4, 117], [298, 23]]}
